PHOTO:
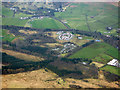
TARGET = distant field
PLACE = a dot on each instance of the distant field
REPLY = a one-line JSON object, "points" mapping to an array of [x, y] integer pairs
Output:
{"points": [[7, 36], [103, 15], [96, 51], [7, 12], [112, 69], [48, 23], [13, 21]]}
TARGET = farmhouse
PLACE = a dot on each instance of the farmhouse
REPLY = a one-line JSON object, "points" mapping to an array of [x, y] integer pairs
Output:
{"points": [[114, 62]]}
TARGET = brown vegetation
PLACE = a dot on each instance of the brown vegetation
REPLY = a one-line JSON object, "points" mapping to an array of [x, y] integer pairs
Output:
{"points": [[27, 32], [22, 55]]}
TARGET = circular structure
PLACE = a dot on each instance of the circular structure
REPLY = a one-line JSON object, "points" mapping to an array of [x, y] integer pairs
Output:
{"points": [[65, 36]]}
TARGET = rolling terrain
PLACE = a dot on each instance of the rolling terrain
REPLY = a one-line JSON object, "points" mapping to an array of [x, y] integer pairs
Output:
{"points": [[60, 45]]}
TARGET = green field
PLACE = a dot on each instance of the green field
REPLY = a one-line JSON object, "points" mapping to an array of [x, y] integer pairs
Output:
{"points": [[7, 12], [96, 49], [13, 21], [103, 16], [48, 23], [103, 58], [112, 69], [6, 36], [18, 15], [113, 52]]}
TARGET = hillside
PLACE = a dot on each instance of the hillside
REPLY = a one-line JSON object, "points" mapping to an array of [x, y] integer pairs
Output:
{"points": [[60, 45]]}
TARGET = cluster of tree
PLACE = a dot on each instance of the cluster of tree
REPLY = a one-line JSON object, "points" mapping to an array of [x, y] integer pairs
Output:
{"points": [[87, 71], [75, 86], [59, 5], [44, 11], [43, 39], [110, 77], [24, 47], [8, 4], [77, 60], [12, 27], [61, 72], [16, 65]]}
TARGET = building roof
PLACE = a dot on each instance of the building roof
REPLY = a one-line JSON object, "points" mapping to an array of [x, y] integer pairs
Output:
{"points": [[114, 62]]}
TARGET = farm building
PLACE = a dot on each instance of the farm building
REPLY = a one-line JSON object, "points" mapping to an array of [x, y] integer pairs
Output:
{"points": [[98, 40], [114, 62], [79, 37], [109, 28]]}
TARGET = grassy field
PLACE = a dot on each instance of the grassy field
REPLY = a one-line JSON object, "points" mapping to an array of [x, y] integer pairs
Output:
{"points": [[113, 52], [112, 69], [7, 12], [13, 21], [7, 36], [22, 15], [103, 58], [48, 23], [103, 15], [94, 50]]}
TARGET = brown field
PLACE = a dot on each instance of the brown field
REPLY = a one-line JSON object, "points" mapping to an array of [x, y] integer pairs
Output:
{"points": [[34, 79], [98, 64], [35, 40], [22, 56], [53, 44], [28, 32], [47, 79], [78, 42]]}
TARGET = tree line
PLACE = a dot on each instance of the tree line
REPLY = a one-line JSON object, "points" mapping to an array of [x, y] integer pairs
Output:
{"points": [[112, 40]]}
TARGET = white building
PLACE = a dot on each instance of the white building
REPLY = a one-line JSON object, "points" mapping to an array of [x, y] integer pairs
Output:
{"points": [[80, 37], [84, 63], [114, 62]]}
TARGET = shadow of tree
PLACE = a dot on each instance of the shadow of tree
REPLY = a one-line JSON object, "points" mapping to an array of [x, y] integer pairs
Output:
{"points": [[14, 65]]}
